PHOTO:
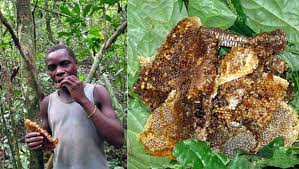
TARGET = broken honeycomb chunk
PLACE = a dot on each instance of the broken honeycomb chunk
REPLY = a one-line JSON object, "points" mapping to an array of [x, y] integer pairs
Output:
{"points": [[178, 53], [34, 127], [237, 63], [167, 125]]}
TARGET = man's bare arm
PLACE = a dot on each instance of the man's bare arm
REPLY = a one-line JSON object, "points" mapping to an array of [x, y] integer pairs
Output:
{"points": [[104, 118]]}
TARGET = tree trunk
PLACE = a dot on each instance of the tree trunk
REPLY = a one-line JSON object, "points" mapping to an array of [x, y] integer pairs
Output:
{"points": [[58, 20], [25, 32], [48, 22]]}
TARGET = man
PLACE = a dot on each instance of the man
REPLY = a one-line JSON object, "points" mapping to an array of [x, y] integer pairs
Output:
{"points": [[79, 115]]}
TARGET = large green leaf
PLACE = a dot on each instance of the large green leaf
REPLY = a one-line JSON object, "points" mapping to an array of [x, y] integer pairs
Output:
{"points": [[149, 22], [86, 9], [276, 155], [65, 10], [267, 151], [272, 155], [242, 162], [291, 59], [265, 15], [212, 13], [137, 158], [198, 155]]}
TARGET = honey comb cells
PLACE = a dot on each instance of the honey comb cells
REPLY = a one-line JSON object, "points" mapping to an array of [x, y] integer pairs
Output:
{"points": [[235, 101], [34, 127]]}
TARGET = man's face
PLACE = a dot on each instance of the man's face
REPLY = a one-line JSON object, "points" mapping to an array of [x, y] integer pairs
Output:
{"points": [[60, 65]]}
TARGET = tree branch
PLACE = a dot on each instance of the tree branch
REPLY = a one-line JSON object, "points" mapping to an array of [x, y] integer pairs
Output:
{"points": [[104, 48], [56, 13], [27, 60]]}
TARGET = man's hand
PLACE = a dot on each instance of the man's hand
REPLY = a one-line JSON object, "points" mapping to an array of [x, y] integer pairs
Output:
{"points": [[34, 140], [75, 87]]}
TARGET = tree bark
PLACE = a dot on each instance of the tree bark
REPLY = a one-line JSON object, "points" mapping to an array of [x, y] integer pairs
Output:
{"points": [[8, 134], [58, 19], [25, 32], [26, 58], [48, 22]]}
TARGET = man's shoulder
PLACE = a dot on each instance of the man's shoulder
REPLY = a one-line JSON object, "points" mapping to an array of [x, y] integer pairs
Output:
{"points": [[45, 100], [98, 89], [100, 93]]}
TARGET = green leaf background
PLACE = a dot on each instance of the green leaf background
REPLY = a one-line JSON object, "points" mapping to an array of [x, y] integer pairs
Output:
{"points": [[197, 154], [149, 22]]}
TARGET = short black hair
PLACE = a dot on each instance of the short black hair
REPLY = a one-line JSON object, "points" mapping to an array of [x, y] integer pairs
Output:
{"points": [[57, 47]]}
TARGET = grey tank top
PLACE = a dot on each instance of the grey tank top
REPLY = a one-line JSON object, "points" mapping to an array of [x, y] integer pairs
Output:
{"points": [[80, 146]]}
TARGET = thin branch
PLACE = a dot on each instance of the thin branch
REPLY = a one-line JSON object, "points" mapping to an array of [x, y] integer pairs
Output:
{"points": [[119, 30], [31, 68], [104, 48], [57, 13]]}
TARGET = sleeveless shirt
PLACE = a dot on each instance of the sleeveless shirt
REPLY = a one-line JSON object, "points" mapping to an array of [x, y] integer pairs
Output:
{"points": [[80, 146]]}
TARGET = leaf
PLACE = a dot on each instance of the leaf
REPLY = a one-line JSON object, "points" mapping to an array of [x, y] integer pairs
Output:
{"points": [[108, 18], [149, 23], [267, 151], [74, 20], [137, 158], [264, 15], [76, 9], [185, 2], [272, 155], [109, 2], [212, 13], [239, 27], [291, 59], [86, 10], [283, 158], [295, 102], [293, 74], [60, 34], [65, 10], [197, 154], [241, 161]]}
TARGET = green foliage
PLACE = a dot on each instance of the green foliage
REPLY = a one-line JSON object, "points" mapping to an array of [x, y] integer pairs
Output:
{"points": [[212, 13], [197, 154], [193, 153], [150, 22]]}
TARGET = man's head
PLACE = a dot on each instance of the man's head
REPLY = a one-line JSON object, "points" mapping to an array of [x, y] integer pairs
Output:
{"points": [[61, 62], [58, 47]]}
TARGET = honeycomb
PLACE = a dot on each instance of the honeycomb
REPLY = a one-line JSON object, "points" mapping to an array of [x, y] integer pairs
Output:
{"points": [[167, 125], [238, 101], [174, 59], [33, 127]]}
